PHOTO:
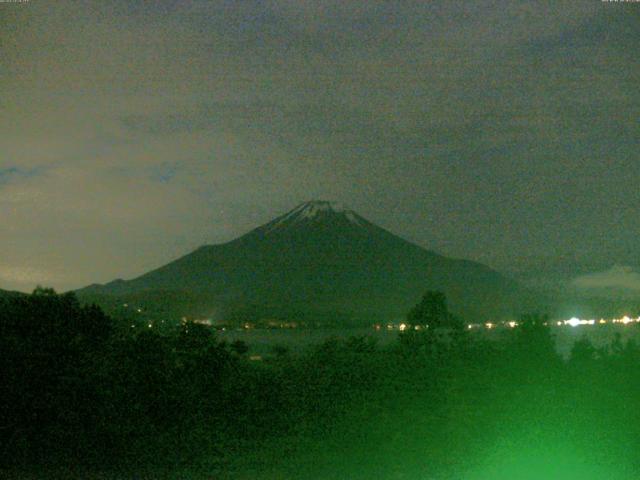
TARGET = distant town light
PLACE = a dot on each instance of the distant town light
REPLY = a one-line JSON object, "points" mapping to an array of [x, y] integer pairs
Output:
{"points": [[574, 322], [403, 327], [205, 321]]}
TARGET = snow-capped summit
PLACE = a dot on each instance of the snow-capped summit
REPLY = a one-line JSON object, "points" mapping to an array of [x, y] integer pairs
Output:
{"points": [[312, 207], [315, 210]]}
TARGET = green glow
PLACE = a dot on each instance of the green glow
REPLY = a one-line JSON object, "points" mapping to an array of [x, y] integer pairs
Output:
{"points": [[545, 460]]}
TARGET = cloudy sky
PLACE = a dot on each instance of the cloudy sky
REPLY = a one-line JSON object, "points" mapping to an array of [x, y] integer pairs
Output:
{"points": [[500, 131]]}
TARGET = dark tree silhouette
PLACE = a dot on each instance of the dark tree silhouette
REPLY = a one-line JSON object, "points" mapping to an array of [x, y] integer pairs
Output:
{"points": [[50, 347], [534, 342], [239, 347], [583, 351], [280, 351], [432, 311]]}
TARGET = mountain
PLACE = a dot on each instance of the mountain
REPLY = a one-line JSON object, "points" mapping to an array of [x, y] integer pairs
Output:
{"points": [[320, 262]]}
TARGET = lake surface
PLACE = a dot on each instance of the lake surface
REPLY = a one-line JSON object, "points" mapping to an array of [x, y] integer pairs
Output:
{"points": [[261, 342]]}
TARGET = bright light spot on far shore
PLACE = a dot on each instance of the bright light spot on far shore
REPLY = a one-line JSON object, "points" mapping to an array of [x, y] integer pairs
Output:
{"points": [[574, 322], [403, 327]]}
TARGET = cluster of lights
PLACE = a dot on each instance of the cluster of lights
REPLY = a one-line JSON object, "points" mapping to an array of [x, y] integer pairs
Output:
{"points": [[150, 325], [572, 322], [403, 327], [625, 320], [126, 305], [491, 325]]}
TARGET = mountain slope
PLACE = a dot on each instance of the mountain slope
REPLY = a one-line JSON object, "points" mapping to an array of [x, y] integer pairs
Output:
{"points": [[320, 260], [9, 293]]}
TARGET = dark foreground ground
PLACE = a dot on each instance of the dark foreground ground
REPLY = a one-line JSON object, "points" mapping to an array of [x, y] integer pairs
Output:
{"points": [[81, 399]]}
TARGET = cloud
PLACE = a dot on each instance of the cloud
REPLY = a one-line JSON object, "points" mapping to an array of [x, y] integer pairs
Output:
{"points": [[14, 174], [617, 277], [26, 277]]}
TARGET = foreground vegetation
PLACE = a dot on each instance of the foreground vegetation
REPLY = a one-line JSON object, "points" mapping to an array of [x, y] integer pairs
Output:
{"points": [[84, 397]]}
